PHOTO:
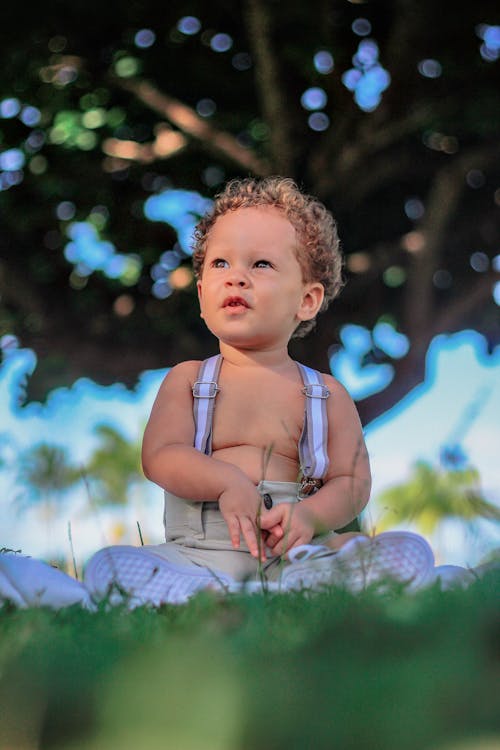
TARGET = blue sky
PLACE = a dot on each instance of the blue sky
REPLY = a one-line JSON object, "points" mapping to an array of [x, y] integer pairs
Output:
{"points": [[460, 400]]}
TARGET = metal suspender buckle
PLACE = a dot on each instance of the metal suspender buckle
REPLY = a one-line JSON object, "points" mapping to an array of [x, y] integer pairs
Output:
{"points": [[309, 390], [212, 391]]}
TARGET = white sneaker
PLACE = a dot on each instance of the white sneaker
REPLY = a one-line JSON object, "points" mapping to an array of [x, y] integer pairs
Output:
{"points": [[453, 576], [10, 594], [400, 556], [134, 577], [28, 582]]}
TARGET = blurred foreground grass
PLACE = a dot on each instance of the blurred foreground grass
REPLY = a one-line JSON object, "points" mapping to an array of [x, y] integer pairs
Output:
{"points": [[338, 671]]}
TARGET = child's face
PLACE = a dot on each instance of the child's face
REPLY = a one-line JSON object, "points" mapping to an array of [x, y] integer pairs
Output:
{"points": [[251, 291]]}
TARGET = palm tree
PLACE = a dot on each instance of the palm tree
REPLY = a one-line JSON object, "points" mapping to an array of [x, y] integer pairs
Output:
{"points": [[114, 467], [47, 474], [114, 471], [433, 494]]}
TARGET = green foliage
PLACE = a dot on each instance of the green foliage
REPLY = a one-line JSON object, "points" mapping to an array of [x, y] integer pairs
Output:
{"points": [[46, 473], [114, 466], [333, 671], [432, 495]]}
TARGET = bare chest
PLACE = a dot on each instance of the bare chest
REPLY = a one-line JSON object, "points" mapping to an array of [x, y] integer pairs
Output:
{"points": [[261, 414]]}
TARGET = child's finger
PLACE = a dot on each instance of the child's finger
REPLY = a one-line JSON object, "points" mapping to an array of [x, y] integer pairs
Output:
{"points": [[233, 527], [272, 518], [248, 531], [274, 536]]}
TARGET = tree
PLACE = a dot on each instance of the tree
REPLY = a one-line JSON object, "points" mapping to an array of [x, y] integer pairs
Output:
{"points": [[434, 494], [388, 112], [115, 466], [47, 474]]}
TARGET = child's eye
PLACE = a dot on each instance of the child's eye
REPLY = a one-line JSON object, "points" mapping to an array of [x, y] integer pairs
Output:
{"points": [[263, 264], [219, 263]]}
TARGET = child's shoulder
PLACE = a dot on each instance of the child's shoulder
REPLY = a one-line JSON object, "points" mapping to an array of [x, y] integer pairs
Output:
{"points": [[183, 372], [337, 390]]}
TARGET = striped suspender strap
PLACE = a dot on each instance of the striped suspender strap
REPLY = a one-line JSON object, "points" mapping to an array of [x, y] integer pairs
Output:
{"points": [[313, 453], [204, 392]]}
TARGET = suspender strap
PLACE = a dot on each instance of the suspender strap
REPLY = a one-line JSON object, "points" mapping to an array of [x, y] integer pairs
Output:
{"points": [[204, 392], [313, 441]]}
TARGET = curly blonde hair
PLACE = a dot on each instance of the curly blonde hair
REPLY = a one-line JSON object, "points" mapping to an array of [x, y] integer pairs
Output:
{"points": [[318, 248]]}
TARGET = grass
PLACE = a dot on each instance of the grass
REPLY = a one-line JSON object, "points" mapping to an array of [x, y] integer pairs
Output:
{"points": [[266, 672]]}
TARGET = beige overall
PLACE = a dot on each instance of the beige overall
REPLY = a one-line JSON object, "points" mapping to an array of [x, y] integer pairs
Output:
{"points": [[196, 534]]}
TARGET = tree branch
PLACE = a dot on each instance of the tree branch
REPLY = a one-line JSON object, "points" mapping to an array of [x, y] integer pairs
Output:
{"points": [[190, 123]]}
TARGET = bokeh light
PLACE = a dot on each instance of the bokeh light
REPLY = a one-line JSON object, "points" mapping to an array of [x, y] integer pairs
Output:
{"points": [[94, 118], [34, 141], [479, 262], [368, 79], [123, 305], [126, 67], [414, 208], [161, 289], [439, 142], [10, 107], [323, 62], [30, 116], [430, 68], [12, 160], [394, 276], [144, 38], [65, 210], [189, 25], [206, 107], [38, 164], [475, 179], [221, 42], [490, 48], [181, 278], [496, 293], [314, 98], [361, 26], [318, 121]]}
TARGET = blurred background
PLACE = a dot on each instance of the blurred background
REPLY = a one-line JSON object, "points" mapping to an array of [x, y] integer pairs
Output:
{"points": [[119, 124]]}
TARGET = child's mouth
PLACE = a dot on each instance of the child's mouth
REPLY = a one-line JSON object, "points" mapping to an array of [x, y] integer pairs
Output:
{"points": [[235, 303]]}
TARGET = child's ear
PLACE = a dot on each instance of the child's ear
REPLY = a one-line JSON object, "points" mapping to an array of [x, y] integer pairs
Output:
{"points": [[198, 288], [312, 299]]}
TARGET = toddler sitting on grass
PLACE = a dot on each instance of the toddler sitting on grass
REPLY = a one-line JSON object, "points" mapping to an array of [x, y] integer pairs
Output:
{"points": [[262, 459]]}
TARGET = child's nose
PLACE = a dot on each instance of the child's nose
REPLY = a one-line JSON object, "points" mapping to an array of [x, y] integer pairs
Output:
{"points": [[237, 278]]}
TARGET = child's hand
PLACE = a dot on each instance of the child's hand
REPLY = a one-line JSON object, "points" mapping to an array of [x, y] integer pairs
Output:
{"points": [[240, 505], [287, 525]]}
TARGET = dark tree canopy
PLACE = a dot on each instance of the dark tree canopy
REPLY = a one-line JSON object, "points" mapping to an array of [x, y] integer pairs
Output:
{"points": [[98, 114]]}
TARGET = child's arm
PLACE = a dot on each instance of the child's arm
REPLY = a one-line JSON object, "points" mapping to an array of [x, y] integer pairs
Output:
{"points": [[170, 460], [346, 489]]}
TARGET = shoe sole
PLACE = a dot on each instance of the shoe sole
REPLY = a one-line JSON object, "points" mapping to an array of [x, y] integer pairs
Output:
{"points": [[132, 576], [402, 557]]}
